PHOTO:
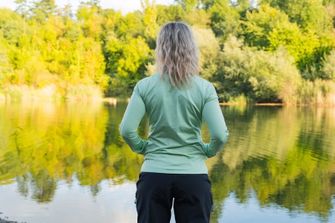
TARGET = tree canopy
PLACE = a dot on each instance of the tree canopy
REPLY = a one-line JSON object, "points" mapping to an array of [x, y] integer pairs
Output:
{"points": [[42, 45]]}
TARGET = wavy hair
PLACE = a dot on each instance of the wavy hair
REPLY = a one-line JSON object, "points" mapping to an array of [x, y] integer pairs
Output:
{"points": [[176, 53]]}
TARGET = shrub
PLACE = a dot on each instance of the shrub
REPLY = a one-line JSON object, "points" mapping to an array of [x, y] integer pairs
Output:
{"points": [[261, 76]]}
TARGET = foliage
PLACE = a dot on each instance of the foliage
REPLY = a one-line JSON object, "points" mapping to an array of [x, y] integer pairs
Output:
{"points": [[224, 19], [42, 44], [260, 75], [329, 66], [209, 50], [309, 14], [317, 92], [269, 28]]}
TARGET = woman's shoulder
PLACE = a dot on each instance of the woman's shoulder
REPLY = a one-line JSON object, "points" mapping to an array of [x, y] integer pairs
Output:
{"points": [[146, 84], [202, 82], [148, 79]]}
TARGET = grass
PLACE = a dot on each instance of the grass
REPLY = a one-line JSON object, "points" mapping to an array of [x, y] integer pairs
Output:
{"points": [[17, 93]]}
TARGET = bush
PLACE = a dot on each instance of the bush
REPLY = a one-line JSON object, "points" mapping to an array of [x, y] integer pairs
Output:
{"points": [[329, 66], [317, 92], [261, 76]]}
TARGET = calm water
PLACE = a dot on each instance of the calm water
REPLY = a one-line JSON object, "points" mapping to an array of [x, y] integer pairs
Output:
{"points": [[68, 163]]}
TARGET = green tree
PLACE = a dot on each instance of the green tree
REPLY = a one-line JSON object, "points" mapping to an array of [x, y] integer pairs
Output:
{"points": [[188, 5], [269, 28], [224, 19], [329, 66], [126, 62], [169, 13], [261, 76], [209, 51], [90, 18], [11, 26], [149, 20], [43, 9], [309, 14], [6, 69]]}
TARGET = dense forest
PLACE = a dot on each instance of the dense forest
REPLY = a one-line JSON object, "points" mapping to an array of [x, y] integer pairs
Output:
{"points": [[253, 51]]}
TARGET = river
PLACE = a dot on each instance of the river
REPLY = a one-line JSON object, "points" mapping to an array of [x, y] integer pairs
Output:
{"points": [[66, 162]]}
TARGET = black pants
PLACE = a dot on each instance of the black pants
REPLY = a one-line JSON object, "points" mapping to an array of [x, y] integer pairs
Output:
{"points": [[192, 195]]}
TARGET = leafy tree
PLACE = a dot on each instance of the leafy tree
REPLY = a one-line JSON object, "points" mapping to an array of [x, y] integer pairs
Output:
{"points": [[90, 18], [43, 45], [260, 75], [6, 69], [11, 26], [329, 66], [309, 14], [149, 20], [259, 24], [198, 18], [188, 5], [268, 28], [43, 9], [130, 25], [224, 19], [209, 51], [169, 13], [126, 61]]}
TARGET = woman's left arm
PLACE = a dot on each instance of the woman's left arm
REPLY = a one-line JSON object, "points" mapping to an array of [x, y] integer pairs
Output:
{"points": [[131, 119]]}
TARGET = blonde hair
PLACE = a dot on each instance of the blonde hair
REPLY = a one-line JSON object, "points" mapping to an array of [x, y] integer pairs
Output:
{"points": [[176, 53]]}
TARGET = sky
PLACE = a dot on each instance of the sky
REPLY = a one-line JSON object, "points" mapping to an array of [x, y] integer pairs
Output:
{"points": [[123, 5]]}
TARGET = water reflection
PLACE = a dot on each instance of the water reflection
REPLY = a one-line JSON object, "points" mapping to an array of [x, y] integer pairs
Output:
{"points": [[283, 158], [284, 155], [39, 148]]}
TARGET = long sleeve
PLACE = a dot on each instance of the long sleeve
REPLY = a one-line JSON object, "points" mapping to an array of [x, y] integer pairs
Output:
{"points": [[213, 116], [132, 117]]}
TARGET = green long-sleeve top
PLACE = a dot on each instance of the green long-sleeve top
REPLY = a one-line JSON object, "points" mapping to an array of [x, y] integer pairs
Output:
{"points": [[174, 143]]}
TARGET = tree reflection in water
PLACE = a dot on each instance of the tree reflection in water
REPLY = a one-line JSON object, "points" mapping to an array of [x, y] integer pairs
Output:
{"points": [[285, 156]]}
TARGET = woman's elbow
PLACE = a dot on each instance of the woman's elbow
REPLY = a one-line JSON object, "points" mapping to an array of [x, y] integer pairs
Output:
{"points": [[223, 137], [123, 131]]}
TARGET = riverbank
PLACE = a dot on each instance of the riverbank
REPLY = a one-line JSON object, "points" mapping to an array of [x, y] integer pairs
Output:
{"points": [[90, 93], [25, 93]]}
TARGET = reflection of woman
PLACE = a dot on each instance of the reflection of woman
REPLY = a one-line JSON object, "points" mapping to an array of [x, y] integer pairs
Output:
{"points": [[176, 100]]}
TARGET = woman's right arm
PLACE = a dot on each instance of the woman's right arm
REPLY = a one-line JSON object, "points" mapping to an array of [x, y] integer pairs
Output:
{"points": [[212, 115]]}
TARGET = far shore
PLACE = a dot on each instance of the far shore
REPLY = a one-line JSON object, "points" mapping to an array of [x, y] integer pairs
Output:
{"points": [[269, 104], [255, 104], [114, 100]]}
